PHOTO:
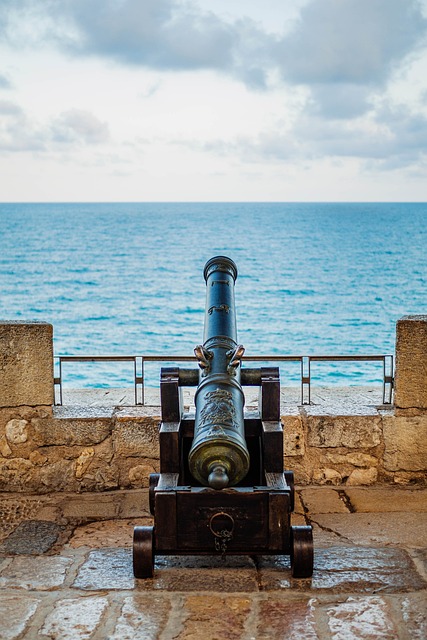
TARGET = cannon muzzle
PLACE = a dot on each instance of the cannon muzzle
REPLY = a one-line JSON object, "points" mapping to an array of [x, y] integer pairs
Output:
{"points": [[219, 456]]}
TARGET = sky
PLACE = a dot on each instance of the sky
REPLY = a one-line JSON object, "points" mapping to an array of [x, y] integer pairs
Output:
{"points": [[213, 100]]}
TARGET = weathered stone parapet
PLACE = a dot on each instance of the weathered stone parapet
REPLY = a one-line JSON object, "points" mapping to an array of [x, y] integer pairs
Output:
{"points": [[74, 449], [26, 364], [405, 440], [116, 448], [411, 365]]}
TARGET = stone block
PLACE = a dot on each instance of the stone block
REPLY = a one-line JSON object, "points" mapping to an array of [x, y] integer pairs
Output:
{"points": [[139, 475], [353, 432], [387, 499], [18, 611], [405, 440], [414, 614], [215, 616], [370, 617], [280, 618], [293, 435], [141, 611], [134, 504], [26, 364], [360, 477], [107, 533], [63, 431], [75, 618], [32, 537], [354, 459], [16, 431], [136, 433], [344, 569], [323, 501], [89, 507], [411, 362], [39, 573], [15, 474], [327, 476], [408, 529]]}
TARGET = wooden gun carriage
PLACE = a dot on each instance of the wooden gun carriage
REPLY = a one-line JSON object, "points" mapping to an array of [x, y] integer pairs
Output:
{"points": [[234, 503]]}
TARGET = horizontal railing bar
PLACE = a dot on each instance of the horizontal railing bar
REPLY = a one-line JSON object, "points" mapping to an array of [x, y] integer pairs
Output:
{"points": [[111, 358], [96, 358], [305, 362], [366, 358], [266, 358]]}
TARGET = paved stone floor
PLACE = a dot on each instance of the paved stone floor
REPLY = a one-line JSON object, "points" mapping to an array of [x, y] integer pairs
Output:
{"points": [[370, 579]]}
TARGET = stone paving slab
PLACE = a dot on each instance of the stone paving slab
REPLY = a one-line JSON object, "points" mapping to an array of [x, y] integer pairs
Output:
{"points": [[32, 537], [350, 569], [141, 616], [247, 616], [74, 617], [107, 533], [17, 611], [35, 573], [210, 616], [112, 569], [370, 581], [324, 501], [387, 499], [361, 619], [406, 529]]}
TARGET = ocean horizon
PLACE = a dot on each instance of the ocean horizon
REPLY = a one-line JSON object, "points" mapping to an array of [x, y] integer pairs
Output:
{"points": [[127, 278]]}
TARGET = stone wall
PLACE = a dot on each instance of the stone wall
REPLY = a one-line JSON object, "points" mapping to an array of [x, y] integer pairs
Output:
{"points": [[335, 441]]}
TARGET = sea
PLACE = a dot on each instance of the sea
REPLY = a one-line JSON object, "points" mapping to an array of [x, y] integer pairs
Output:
{"points": [[120, 278]]}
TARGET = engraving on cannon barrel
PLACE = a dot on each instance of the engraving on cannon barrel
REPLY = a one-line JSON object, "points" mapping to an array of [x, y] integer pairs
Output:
{"points": [[220, 307], [218, 410]]}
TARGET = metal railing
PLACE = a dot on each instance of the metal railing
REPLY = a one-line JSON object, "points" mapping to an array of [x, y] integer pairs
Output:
{"points": [[305, 369]]}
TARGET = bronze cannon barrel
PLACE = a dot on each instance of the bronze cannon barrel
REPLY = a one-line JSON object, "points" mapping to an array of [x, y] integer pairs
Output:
{"points": [[219, 456]]}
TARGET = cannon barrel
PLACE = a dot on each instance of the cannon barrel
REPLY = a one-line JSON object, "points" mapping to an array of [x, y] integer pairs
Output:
{"points": [[219, 456]]}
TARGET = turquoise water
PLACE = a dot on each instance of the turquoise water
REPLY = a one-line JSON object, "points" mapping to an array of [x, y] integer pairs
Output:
{"points": [[128, 278]]}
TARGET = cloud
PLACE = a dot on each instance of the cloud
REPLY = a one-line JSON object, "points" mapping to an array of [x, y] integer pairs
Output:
{"points": [[5, 82], [393, 137], [339, 101], [160, 34], [8, 108], [345, 49], [19, 133], [353, 44], [80, 126], [350, 41], [167, 35]]}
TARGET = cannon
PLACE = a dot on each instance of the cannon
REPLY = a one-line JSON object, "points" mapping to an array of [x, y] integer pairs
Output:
{"points": [[222, 488]]}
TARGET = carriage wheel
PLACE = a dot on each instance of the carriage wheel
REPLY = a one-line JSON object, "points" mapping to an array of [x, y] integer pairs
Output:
{"points": [[154, 481], [289, 477], [143, 552], [302, 552]]}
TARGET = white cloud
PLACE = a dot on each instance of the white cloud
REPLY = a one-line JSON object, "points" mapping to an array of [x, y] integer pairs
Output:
{"points": [[20, 133], [9, 108], [209, 88], [334, 42], [80, 126], [393, 137], [347, 49], [350, 41], [5, 82]]}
